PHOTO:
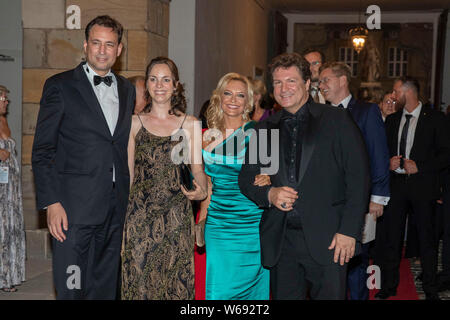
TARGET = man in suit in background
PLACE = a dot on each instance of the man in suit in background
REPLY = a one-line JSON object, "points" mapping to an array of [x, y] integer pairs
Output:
{"points": [[315, 58], [314, 209], [419, 147], [387, 106], [80, 166], [334, 82]]}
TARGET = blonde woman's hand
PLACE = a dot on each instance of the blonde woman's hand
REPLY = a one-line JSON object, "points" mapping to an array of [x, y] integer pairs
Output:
{"points": [[262, 180], [197, 194]]}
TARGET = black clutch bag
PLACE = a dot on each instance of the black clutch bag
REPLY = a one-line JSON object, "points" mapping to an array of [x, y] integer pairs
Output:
{"points": [[185, 176]]}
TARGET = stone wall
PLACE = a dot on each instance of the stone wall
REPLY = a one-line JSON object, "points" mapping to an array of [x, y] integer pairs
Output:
{"points": [[49, 48]]}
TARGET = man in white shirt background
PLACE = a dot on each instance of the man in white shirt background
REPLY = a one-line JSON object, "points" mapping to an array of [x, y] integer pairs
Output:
{"points": [[419, 147]]}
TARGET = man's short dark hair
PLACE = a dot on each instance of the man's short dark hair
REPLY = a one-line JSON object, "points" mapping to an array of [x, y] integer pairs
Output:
{"points": [[287, 60], [311, 50], [411, 83], [105, 21]]}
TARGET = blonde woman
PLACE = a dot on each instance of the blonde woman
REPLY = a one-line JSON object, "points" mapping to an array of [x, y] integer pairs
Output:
{"points": [[233, 259]]}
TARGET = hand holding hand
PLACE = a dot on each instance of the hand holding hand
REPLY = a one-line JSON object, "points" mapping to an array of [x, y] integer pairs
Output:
{"points": [[262, 180], [283, 198], [344, 248]]}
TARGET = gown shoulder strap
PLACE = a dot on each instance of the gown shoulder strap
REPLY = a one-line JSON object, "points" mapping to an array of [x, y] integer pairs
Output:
{"points": [[140, 120], [183, 121]]}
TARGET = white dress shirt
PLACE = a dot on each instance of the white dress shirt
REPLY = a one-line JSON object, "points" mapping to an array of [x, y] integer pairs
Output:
{"points": [[108, 99], [411, 132], [373, 198]]}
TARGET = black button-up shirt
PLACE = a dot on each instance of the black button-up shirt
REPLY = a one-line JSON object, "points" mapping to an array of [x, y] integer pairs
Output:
{"points": [[292, 129]]}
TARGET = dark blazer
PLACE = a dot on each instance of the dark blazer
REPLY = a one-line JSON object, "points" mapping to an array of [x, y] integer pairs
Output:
{"points": [[333, 185], [430, 150], [368, 118], [74, 151]]}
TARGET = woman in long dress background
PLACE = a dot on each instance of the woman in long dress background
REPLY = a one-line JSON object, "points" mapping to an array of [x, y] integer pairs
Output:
{"points": [[12, 234]]}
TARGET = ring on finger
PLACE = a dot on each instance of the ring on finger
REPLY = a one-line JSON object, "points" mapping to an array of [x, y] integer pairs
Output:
{"points": [[283, 205]]}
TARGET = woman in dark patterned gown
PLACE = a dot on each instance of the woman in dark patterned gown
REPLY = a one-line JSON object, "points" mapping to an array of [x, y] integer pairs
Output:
{"points": [[158, 240]]}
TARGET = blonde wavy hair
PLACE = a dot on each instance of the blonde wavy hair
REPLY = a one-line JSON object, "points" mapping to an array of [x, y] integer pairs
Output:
{"points": [[214, 114]]}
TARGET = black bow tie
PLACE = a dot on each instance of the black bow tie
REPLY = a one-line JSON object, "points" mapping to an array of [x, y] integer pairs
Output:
{"points": [[107, 80]]}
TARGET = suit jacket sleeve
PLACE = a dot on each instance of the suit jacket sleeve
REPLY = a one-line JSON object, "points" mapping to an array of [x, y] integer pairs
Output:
{"points": [[356, 172], [377, 148], [258, 195], [441, 158], [45, 143]]}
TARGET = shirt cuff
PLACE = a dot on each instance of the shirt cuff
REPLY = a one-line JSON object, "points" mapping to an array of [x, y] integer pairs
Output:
{"points": [[379, 199]]}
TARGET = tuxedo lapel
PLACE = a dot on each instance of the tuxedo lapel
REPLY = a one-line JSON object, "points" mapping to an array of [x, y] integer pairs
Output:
{"points": [[420, 130], [355, 110], [395, 132], [274, 124], [87, 93], [122, 103], [351, 105], [309, 141]]}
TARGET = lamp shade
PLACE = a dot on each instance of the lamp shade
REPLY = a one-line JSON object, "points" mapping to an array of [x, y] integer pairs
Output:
{"points": [[358, 36]]}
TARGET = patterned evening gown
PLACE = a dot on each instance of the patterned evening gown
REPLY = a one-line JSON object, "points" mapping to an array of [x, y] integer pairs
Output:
{"points": [[12, 234], [158, 239], [233, 254]]}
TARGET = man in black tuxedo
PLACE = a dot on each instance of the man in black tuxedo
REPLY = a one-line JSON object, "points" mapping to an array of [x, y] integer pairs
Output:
{"points": [[419, 147], [80, 166], [315, 207]]}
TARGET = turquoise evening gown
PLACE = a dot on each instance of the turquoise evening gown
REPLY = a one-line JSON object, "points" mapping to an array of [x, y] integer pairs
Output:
{"points": [[233, 254]]}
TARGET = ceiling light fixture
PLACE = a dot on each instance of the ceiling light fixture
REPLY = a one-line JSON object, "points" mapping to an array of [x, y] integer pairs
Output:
{"points": [[358, 34]]}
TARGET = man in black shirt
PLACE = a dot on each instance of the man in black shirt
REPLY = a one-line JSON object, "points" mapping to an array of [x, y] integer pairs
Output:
{"points": [[315, 207]]}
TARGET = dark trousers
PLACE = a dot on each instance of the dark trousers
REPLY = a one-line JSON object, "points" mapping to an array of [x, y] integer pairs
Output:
{"points": [[86, 265], [412, 238], [296, 274], [357, 275], [390, 230]]}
